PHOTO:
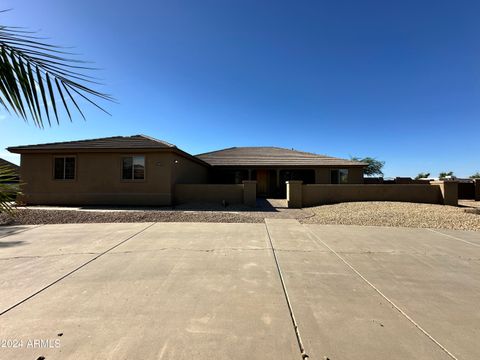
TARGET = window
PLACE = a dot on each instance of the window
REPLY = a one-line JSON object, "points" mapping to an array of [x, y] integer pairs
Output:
{"points": [[64, 168], [339, 176], [133, 168]]}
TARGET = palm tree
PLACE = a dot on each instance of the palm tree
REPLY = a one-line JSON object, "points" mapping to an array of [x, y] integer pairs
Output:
{"points": [[34, 75], [445, 174], [422, 175], [36, 78], [9, 188]]}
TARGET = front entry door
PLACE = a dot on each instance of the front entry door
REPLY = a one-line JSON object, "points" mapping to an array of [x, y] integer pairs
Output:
{"points": [[262, 182]]}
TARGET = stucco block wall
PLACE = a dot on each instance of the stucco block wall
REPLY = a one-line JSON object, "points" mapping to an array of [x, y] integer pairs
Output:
{"points": [[97, 180], [313, 194], [449, 191], [209, 193], [294, 194], [477, 189], [250, 192]]}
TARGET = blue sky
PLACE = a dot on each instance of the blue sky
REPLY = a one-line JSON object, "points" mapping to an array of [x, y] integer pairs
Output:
{"points": [[396, 80]]}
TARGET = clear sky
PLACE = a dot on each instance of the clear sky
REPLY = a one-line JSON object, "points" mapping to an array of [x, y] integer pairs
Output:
{"points": [[396, 80]]}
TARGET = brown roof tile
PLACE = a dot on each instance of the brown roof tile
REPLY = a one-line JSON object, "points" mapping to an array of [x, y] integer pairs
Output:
{"points": [[115, 142], [271, 156]]}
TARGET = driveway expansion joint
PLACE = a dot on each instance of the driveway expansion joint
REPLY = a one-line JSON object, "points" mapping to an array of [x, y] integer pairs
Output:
{"points": [[74, 270], [394, 306], [454, 237], [296, 329]]}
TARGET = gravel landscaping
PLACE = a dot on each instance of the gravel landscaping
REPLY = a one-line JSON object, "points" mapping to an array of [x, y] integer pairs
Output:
{"points": [[464, 217], [396, 214], [34, 217]]}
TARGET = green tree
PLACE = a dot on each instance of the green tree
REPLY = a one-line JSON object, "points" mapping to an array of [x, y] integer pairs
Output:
{"points": [[39, 81], [422, 175], [374, 166], [476, 175], [443, 175]]}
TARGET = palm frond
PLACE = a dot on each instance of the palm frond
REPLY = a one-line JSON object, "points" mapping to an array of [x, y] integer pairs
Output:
{"points": [[9, 189], [35, 75]]}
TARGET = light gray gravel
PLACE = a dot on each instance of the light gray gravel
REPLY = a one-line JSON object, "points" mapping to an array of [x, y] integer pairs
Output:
{"points": [[34, 216], [181, 213], [466, 217], [396, 214]]}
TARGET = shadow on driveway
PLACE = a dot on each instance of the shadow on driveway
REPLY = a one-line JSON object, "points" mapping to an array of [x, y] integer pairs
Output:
{"points": [[7, 244]]}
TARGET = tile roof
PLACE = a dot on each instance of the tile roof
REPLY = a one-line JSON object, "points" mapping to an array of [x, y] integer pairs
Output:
{"points": [[14, 167], [115, 142], [271, 156]]}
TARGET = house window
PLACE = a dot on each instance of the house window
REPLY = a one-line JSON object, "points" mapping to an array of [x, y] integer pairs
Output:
{"points": [[339, 176], [133, 168], [64, 168]]}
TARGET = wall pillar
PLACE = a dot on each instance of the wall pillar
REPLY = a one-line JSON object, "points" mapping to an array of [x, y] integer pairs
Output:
{"points": [[250, 192], [294, 193], [449, 190], [477, 189]]}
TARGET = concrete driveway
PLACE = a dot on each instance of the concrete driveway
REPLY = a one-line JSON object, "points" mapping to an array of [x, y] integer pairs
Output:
{"points": [[238, 291]]}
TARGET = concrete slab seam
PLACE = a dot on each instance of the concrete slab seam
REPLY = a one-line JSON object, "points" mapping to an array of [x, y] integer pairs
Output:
{"points": [[73, 271], [453, 237], [287, 298], [22, 231], [385, 297]]}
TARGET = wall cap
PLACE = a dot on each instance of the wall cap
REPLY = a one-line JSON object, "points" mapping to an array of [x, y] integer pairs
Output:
{"points": [[294, 182]]}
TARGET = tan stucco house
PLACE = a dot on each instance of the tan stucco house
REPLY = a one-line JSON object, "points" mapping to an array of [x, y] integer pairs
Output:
{"points": [[141, 170], [272, 166]]}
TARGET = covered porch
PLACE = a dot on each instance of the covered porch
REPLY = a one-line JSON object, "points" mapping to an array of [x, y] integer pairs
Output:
{"points": [[270, 181]]}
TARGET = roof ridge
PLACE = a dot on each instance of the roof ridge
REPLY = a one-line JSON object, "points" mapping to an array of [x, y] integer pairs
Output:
{"points": [[271, 147], [69, 141], [101, 142], [214, 151], [272, 154], [156, 140]]}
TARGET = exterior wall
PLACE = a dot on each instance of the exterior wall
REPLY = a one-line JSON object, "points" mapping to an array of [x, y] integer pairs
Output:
{"points": [[449, 190], [250, 192], [294, 194], [97, 180], [477, 189], [355, 175], [186, 171], [466, 190], [322, 176], [327, 194], [209, 193]]}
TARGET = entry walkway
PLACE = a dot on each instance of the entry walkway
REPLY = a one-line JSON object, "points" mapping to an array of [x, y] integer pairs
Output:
{"points": [[237, 291]]}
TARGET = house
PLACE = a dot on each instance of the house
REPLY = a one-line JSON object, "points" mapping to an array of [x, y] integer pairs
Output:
{"points": [[132, 170], [272, 166], [141, 170]]}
